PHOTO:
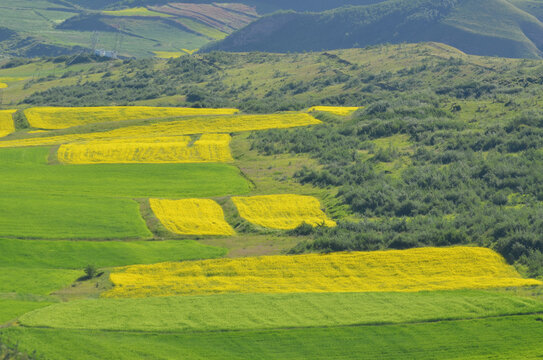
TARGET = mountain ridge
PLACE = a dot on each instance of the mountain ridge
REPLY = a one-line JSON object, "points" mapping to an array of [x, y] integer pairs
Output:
{"points": [[485, 27]]}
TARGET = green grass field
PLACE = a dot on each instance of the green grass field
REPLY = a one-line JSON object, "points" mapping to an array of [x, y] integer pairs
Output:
{"points": [[11, 309], [20, 280], [95, 201], [269, 311], [517, 337], [60, 254]]}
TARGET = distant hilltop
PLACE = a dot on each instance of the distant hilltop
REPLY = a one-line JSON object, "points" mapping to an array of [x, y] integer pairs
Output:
{"points": [[506, 28]]}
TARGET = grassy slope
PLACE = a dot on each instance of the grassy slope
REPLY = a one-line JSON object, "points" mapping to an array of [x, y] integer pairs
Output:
{"points": [[95, 201], [245, 312], [503, 338]]}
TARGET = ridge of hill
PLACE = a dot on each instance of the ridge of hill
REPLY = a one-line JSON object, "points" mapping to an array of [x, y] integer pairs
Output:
{"points": [[480, 27]]}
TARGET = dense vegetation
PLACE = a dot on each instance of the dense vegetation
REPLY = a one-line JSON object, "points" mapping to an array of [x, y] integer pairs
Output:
{"points": [[454, 182]]}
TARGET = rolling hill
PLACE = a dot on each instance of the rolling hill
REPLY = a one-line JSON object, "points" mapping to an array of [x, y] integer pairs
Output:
{"points": [[480, 27], [52, 28]]}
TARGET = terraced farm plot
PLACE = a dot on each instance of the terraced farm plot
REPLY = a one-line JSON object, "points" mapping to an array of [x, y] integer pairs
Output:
{"points": [[139, 12], [269, 311], [336, 110], [6, 122], [207, 125], [220, 17], [380, 271], [209, 148], [52, 118], [515, 337], [36, 281], [3, 85], [192, 216], [96, 201], [282, 211], [72, 255], [11, 309]]}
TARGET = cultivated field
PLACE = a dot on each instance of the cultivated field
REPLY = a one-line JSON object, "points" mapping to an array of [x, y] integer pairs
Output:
{"points": [[191, 216], [253, 311], [208, 148], [96, 201], [408, 270], [63, 117], [6, 122], [336, 110], [282, 211], [191, 126]]}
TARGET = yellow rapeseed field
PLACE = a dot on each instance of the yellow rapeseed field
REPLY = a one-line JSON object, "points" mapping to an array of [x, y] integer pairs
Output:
{"points": [[191, 126], [53, 118], [191, 216], [3, 85], [175, 149], [281, 211], [336, 110], [169, 54], [396, 270], [6, 122]]}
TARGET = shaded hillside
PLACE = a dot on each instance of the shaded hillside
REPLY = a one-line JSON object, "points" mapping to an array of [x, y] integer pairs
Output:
{"points": [[480, 27]]}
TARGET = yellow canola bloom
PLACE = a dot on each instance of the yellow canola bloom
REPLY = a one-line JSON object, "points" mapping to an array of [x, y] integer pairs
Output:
{"points": [[213, 124], [209, 148], [3, 85], [281, 211], [420, 269], [169, 54], [191, 216], [54, 118], [336, 110], [7, 125]]}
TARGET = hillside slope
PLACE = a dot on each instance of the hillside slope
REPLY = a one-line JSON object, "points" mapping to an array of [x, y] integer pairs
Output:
{"points": [[57, 27], [480, 27]]}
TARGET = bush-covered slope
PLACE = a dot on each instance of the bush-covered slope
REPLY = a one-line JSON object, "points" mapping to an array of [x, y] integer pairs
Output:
{"points": [[487, 27]]}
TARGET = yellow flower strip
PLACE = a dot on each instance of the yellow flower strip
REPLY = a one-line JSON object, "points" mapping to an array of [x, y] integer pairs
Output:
{"points": [[209, 148], [208, 125], [7, 125], [191, 216], [54, 118], [281, 211], [390, 271], [336, 110]]}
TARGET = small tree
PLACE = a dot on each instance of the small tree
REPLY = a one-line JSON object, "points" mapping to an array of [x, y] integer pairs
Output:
{"points": [[91, 271]]}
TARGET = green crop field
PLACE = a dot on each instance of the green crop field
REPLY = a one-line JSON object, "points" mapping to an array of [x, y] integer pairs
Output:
{"points": [[60, 254], [246, 312], [11, 309], [96, 201], [516, 337]]}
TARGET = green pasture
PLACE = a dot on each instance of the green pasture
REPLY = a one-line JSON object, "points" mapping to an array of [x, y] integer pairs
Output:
{"points": [[269, 311], [20, 280], [59, 254], [96, 201], [517, 337], [11, 309]]}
